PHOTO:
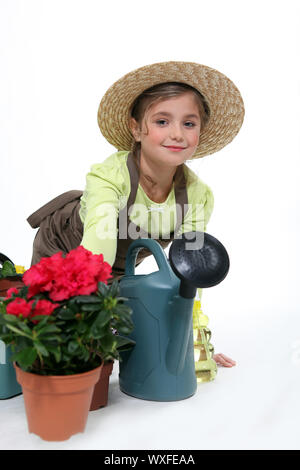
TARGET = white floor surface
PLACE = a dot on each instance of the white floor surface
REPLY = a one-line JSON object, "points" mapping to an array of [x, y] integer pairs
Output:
{"points": [[254, 405]]}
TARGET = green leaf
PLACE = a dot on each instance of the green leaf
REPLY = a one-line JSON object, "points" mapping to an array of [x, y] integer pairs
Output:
{"points": [[108, 342], [24, 291], [124, 330], [91, 307], [65, 356], [21, 343], [42, 319], [82, 327], [49, 329], [25, 328], [26, 357], [102, 319], [10, 318], [73, 346], [66, 314], [124, 343], [73, 306], [114, 289], [102, 288], [122, 299], [98, 333], [126, 322], [56, 352], [84, 299], [41, 348], [122, 315], [19, 332], [121, 309], [70, 329], [85, 354], [8, 269], [56, 338]]}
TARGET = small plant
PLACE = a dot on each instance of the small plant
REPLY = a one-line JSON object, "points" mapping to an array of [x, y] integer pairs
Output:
{"points": [[8, 269], [66, 319]]}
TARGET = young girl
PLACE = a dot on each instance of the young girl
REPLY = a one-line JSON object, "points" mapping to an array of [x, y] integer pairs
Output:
{"points": [[158, 117]]}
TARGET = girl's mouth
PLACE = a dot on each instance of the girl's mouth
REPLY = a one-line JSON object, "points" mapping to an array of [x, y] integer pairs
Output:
{"points": [[175, 149]]}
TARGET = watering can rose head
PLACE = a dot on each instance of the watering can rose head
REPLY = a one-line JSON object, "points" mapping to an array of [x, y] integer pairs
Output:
{"points": [[65, 318]]}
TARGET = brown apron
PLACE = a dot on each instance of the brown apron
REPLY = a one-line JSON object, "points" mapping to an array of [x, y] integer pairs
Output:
{"points": [[61, 229]]}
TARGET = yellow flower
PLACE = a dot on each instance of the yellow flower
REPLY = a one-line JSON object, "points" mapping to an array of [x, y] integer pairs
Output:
{"points": [[20, 269], [199, 319]]}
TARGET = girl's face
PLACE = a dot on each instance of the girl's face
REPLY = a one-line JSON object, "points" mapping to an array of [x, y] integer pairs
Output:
{"points": [[173, 131]]}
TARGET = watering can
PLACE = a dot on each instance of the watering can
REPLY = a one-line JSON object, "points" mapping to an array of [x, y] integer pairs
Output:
{"points": [[161, 365], [9, 387]]}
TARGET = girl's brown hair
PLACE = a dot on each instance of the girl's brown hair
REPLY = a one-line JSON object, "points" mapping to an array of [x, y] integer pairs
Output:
{"points": [[161, 92]]}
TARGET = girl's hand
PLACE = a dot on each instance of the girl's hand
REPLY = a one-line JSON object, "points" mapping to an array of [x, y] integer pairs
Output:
{"points": [[223, 360]]}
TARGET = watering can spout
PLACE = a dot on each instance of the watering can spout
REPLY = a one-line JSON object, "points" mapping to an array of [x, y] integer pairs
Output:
{"points": [[180, 317]]}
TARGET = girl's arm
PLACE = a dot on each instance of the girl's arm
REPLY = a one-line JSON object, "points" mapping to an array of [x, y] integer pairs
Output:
{"points": [[99, 210]]}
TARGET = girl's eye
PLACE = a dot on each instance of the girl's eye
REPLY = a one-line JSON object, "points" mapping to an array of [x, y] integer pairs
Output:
{"points": [[161, 121]]}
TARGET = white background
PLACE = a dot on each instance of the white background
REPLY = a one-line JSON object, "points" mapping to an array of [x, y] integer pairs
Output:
{"points": [[58, 57]]}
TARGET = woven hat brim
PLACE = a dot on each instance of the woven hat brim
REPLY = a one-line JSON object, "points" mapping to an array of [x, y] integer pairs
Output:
{"points": [[222, 96]]}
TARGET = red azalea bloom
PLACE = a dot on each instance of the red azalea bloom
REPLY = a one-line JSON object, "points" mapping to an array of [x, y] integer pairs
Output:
{"points": [[10, 292], [76, 274], [19, 307], [80, 274], [43, 307], [40, 277]]}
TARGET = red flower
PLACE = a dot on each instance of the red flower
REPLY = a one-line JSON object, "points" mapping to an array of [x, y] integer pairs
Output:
{"points": [[19, 307], [10, 292], [43, 307], [76, 274], [40, 277]]}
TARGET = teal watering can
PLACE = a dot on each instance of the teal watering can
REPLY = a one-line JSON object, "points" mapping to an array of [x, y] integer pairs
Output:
{"points": [[161, 365], [9, 387]]}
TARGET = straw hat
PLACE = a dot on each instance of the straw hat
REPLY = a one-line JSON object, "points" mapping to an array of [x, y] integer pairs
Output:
{"points": [[221, 95]]}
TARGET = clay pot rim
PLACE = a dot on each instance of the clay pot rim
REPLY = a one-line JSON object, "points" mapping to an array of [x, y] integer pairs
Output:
{"points": [[16, 277], [60, 377]]}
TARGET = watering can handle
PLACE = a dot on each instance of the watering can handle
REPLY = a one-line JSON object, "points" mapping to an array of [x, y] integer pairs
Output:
{"points": [[156, 250]]}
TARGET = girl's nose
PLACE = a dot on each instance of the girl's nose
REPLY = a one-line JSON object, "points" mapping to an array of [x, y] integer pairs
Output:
{"points": [[176, 132]]}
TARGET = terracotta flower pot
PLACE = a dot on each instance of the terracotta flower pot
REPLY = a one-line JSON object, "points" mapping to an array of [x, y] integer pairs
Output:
{"points": [[8, 282], [100, 395], [57, 406]]}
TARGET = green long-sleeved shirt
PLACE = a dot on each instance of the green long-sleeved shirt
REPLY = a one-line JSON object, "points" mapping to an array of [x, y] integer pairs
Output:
{"points": [[106, 193]]}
